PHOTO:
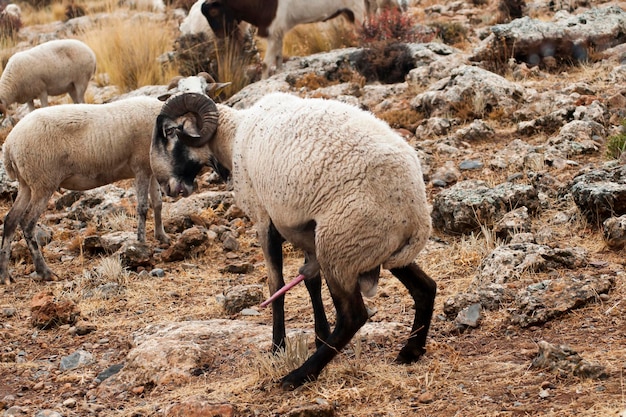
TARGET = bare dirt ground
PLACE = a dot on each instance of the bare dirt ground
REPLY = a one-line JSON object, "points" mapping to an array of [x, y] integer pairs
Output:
{"points": [[485, 371]]}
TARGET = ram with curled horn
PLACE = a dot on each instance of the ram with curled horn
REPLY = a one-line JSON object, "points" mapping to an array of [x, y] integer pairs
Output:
{"points": [[331, 179]]}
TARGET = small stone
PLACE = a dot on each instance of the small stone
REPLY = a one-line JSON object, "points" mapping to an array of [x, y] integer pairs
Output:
{"points": [[70, 403], [426, 397], [157, 272], [138, 390]]}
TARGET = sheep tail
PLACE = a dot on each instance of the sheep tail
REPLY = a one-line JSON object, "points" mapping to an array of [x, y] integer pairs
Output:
{"points": [[9, 167]]}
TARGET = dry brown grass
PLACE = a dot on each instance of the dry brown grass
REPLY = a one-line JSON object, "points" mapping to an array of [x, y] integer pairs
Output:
{"points": [[312, 38], [127, 50]]}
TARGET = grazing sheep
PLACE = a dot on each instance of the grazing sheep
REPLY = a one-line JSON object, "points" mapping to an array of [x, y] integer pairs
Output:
{"points": [[331, 179], [274, 18], [51, 68], [78, 147]]}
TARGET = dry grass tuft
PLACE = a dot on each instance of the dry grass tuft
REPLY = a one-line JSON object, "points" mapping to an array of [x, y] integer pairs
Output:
{"points": [[128, 52], [272, 367], [313, 38], [119, 221]]}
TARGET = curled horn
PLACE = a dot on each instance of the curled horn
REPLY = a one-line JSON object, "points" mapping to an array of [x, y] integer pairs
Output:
{"points": [[206, 76], [200, 106], [174, 82]]}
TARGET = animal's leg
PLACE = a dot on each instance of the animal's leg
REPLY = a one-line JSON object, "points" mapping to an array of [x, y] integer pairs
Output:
{"points": [[273, 56], [351, 316], [31, 105], [142, 184], [43, 98], [423, 289], [38, 203], [157, 206], [77, 93], [10, 225], [272, 244], [313, 282]]}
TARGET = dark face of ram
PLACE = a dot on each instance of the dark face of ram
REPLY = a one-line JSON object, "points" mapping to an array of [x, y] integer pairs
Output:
{"points": [[174, 164], [181, 142]]}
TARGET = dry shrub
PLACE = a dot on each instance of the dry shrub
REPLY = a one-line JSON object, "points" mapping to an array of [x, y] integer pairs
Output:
{"points": [[393, 25], [225, 59], [386, 62], [510, 10], [195, 53], [73, 10], [451, 33], [128, 52], [406, 118]]}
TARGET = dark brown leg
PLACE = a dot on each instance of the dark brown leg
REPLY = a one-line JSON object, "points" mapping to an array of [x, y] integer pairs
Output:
{"points": [[423, 290]]}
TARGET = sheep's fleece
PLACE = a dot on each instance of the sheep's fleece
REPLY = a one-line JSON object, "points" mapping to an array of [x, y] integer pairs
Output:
{"points": [[358, 179], [52, 68]]}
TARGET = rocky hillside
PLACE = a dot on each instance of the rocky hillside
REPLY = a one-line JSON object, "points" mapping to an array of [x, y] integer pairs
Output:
{"points": [[519, 129]]}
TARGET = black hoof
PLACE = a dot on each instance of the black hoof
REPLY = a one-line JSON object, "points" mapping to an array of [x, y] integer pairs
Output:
{"points": [[410, 355], [294, 380]]}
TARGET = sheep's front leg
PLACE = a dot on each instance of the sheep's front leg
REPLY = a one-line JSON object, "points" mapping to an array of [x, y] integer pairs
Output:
{"points": [[272, 244], [313, 282], [37, 205], [142, 184], [11, 221], [157, 206], [423, 290]]}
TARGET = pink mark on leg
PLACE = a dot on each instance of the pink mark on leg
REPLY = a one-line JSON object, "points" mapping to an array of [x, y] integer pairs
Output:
{"points": [[283, 290]]}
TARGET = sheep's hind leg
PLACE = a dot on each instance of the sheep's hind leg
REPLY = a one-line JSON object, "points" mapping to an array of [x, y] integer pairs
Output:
{"points": [[313, 282], [28, 223], [423, 290], [351, 316], [272, 244], [77, 94], [11, 221]]}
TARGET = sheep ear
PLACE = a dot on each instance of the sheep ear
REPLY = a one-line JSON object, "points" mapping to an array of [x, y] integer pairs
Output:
{"points": [[166, 127], [215, 89], [164, 97]]}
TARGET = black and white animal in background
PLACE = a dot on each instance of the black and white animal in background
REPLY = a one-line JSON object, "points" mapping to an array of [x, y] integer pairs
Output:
{"points": [[274, 18], [331, 179]]}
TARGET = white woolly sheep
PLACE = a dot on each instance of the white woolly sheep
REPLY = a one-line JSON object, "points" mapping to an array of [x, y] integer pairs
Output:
{"points": [[51, 68], [274, 18], [333, 180], [78, 147]]}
